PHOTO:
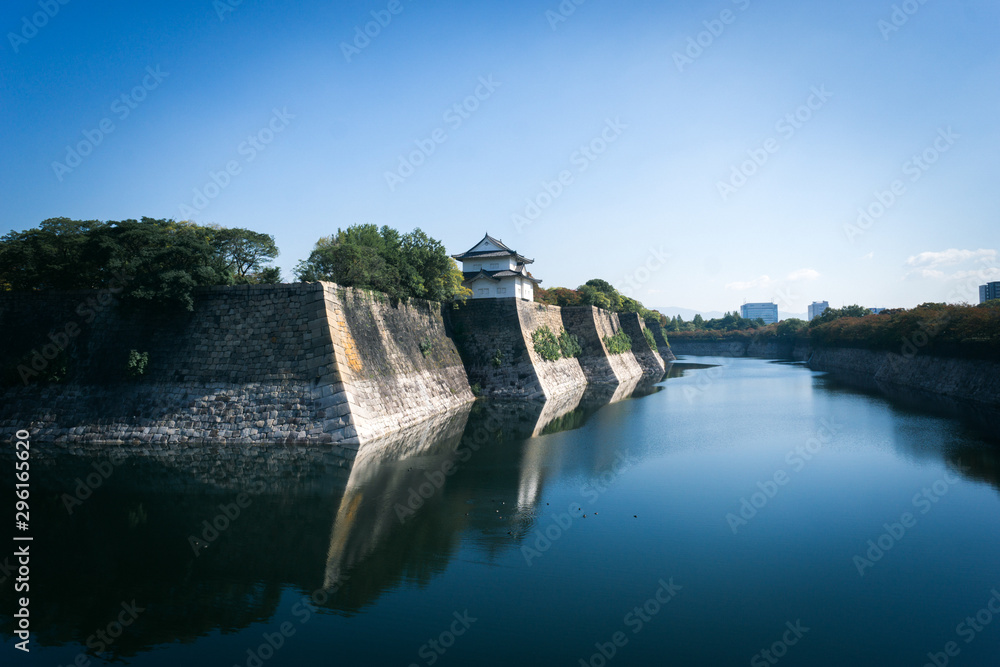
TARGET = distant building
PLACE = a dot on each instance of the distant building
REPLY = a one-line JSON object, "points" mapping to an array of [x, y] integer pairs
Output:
{"points": [[818, 308], [765, 311], [875, 311], [494, 271], [989, 291]]}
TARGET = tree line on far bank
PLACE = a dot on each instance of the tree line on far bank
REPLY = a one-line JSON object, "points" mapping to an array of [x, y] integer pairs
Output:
{"points": [[946, 329]]}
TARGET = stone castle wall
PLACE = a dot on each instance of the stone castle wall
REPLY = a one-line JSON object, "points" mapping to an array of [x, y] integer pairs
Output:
{"points": [[556, 377], [591, 325], [494, 338], [268, 363], [397, 363], [648, 358], [304, 363]]}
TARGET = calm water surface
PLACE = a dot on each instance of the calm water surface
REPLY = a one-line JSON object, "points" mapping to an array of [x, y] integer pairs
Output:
{"points": [[731, 509]]}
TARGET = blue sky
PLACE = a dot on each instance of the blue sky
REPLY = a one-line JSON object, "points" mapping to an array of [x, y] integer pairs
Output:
{"points": [[684, 182]]}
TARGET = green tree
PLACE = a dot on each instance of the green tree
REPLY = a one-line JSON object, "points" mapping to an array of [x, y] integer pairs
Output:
{"points": [[381, 259], [244, 252], [588, 294]]}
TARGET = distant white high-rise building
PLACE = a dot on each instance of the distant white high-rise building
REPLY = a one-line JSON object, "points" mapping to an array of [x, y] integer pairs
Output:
{"points": [[818, 308], [765, 311]]}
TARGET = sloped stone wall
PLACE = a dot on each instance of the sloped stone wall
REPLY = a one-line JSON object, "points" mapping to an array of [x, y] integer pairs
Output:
{"points": [[649, 359], [272, 363], [488, 335], [591, 325], [555, 377], [397, 362]]}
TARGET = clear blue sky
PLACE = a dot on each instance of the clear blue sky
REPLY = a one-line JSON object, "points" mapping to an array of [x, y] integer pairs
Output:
{"points": [[673, 130]]}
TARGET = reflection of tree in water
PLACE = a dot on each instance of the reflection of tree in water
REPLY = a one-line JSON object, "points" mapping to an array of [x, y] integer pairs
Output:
{"points": [[980, 418], [980, 463]]}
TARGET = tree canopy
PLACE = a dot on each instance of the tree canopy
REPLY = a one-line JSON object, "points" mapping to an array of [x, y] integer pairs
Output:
{"points": [[150, 260], [600, 293], [382, 259]]}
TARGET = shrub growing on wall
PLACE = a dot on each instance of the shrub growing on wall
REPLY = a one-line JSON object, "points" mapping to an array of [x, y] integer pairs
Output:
{"points": [[650, 339], [135, 367], [620, 343], [546, 344], [569, 345]]}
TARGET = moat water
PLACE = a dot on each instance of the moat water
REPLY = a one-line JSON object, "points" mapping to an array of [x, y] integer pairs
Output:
{"points": [[738, 512]]}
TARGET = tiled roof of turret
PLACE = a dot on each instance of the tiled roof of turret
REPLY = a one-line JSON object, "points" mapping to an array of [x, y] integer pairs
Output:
{"points": [[504, 251]]}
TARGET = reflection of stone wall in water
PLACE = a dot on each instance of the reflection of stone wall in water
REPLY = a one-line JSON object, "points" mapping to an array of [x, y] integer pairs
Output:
{"points": [[317, 516], [130, 534], [963, 379]]}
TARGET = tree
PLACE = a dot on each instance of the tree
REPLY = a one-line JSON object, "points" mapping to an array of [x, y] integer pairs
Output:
{"points": [[402, 266], [244, 252], [591, 296], [831, 314], [162, 260], [614, 299], [52, 256], [558, 296], [159, 261]]}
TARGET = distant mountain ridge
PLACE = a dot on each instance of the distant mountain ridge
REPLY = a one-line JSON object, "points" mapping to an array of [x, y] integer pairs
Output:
{"points": [[688, 314]]}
